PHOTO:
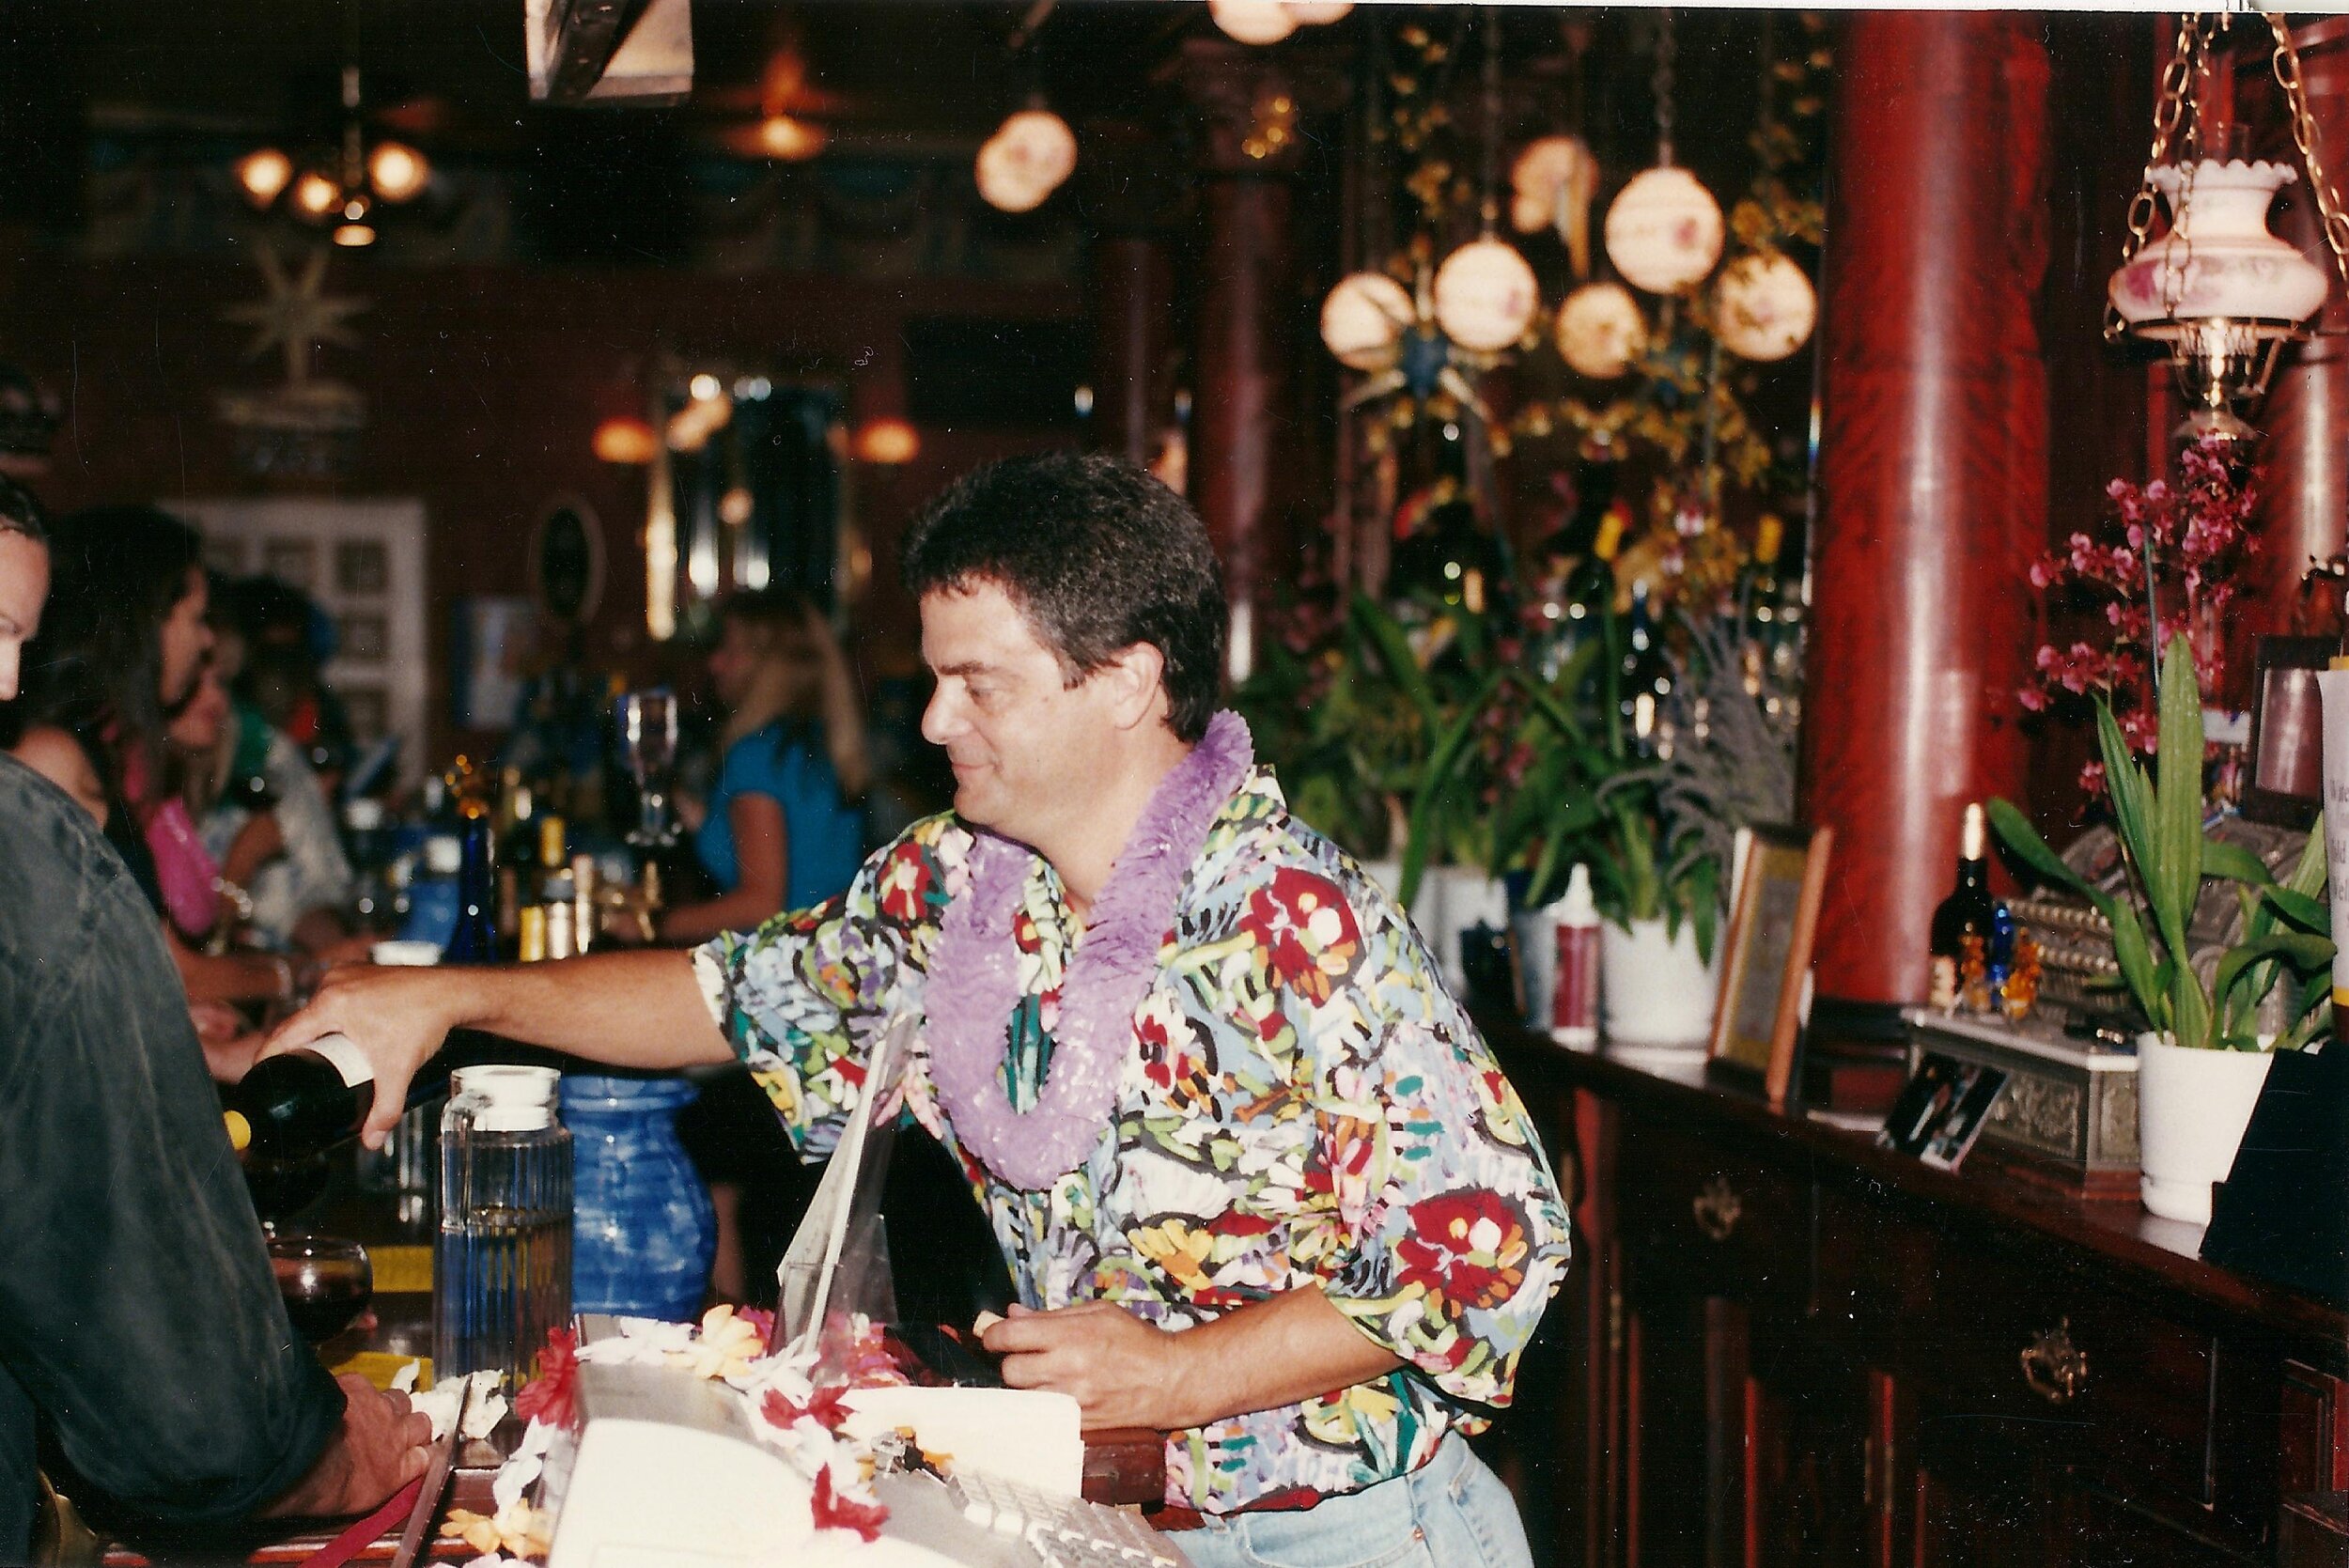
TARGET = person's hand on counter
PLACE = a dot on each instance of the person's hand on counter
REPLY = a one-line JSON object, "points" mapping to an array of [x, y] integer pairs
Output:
{"points": [[381, 1445], [1117, 1367], [1123, 1372]]}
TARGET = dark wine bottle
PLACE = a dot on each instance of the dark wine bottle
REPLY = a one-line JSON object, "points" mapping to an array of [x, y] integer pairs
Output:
{"points": [[476, 939], [1967, 911], [291, 1105], [1647, 680]]}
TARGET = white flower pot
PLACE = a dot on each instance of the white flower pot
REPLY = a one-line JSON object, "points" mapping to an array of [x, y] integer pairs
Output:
{"points": [[1463, 896], [1451, 899], [1653, 989], [2192, 1107]]}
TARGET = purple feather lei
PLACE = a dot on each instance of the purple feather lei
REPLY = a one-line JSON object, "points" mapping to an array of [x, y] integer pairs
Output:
{"points": [[975, 973]]}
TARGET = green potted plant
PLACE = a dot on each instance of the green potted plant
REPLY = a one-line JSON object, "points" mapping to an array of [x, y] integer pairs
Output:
{"points": [[1657, 832], [2201, 1058], [1402, 739]]}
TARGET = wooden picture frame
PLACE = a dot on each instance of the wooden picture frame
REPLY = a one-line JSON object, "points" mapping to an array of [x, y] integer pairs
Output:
{"points": [[2285, 768], [1780, 876]]}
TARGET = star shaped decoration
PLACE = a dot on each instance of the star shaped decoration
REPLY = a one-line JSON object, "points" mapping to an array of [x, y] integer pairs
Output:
{"points": [[298, 314], [1424, 362]]}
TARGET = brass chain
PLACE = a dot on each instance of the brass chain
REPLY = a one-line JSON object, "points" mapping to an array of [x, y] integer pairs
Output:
{"points": [[2171, 110], [2304, 134]]}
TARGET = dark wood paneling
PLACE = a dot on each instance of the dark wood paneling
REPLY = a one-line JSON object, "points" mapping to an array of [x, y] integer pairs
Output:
{"points": [[1844, 1376]]}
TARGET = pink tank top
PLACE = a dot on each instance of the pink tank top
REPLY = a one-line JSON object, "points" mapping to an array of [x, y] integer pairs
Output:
{"points": [[189, 876]]}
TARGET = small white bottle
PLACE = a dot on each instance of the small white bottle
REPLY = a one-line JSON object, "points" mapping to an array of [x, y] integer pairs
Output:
{"points": [[1574, 993]]}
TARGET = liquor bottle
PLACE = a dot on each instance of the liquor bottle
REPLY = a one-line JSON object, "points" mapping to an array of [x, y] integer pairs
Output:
{"points": [[1590, 585], [292, 1107], [516, 854], [475, 940], [1967, 911], [1647, 679], [584, 902], [553, 854]]}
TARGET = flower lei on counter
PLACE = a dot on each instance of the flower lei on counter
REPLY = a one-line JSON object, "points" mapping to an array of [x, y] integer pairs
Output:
{"points": [[790, 1411]]}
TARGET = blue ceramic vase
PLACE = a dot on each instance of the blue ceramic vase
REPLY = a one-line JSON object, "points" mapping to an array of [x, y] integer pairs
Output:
{"points": [[641, 1230]]}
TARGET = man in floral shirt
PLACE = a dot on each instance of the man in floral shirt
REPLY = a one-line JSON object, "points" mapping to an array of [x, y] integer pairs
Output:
{"points": [[1259, 1181]]}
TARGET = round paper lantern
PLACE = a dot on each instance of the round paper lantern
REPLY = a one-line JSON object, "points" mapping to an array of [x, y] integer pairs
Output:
{"points": [[1664, 231], [1485, 296], [397, 171], [1363, 319], [1551, 171], [1253, 21], [1041, 140], [1319, 13], [1005, 182], [314, 194], [1765, 307], [264, 173], [1600, 330]]}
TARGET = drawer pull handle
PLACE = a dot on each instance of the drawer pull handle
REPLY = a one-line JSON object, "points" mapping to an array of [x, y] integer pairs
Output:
{"points": [[1717, 1207], [2056, 1369]]}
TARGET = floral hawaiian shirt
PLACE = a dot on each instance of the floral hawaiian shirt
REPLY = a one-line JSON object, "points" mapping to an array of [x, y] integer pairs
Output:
{"points": [[1305, 1104]]}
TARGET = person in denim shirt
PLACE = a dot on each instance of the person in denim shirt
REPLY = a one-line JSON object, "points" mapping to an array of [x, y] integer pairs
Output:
{"points": [[141, 1334]]}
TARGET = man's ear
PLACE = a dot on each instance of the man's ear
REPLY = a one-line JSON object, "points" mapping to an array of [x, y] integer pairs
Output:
{"points": [[1136, 685]]}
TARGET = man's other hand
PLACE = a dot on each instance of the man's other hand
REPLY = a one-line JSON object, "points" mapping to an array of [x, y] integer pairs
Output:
{"points": [[1120, 1370], [381, 1445]]}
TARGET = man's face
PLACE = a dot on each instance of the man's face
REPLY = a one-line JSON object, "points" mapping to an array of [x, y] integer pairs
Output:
{"points": [[24, 585], [1025, 745], [186, 640]]}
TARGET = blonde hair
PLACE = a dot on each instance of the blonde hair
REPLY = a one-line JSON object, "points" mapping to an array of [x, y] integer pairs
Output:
{"points": [[788, 634]]}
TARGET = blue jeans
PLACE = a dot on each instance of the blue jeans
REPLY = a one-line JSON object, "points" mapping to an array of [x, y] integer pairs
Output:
{"points": [[1451, 1512]]}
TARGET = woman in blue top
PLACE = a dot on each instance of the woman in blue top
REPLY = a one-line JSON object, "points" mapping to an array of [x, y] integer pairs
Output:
{"points": [[778, 831]]}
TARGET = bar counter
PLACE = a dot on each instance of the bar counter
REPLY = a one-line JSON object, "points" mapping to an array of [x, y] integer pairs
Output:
{"points": [[1787, 1344]]}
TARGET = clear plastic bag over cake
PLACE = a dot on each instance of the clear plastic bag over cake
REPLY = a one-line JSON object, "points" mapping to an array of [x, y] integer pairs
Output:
{"points": [[835, 1276]]}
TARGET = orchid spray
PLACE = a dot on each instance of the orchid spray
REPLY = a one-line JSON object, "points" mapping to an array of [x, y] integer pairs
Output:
{"points": [[2162, 566]]}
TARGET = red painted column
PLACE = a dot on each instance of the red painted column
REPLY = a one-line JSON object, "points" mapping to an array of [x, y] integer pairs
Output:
{"points": [[1933, 468], [1240, 356], [1133, 304], [2306, 491]]}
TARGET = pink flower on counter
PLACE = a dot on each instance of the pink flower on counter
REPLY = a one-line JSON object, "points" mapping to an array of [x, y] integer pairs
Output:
{"points": [[553, 1395]]}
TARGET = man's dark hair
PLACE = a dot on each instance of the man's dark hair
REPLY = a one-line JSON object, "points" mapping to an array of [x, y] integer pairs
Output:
{"points": [[1098, 556], [20, 512], [96, 667]]}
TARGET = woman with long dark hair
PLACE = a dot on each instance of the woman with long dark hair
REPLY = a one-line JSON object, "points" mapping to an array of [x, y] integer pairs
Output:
{"points": [[121, 651]]}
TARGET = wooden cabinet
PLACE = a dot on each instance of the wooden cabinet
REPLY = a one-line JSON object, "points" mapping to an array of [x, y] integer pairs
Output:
{"points": [[1782, 1345]]}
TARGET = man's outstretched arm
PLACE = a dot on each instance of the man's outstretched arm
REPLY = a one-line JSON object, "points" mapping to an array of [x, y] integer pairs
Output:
{"points": [[626, 1009]]}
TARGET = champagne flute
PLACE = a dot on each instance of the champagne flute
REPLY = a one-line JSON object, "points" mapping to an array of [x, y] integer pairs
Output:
{"points": [[648, 721]]}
